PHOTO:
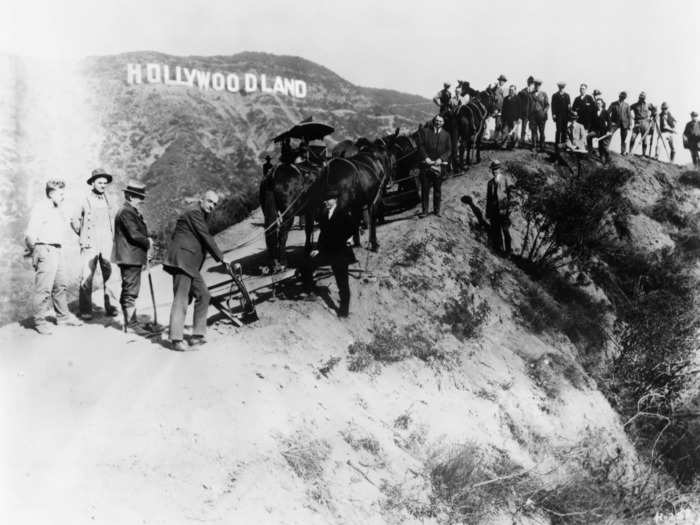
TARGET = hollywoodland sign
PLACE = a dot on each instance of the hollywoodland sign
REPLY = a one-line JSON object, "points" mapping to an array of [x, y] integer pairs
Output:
{"points": [[217, 81]]}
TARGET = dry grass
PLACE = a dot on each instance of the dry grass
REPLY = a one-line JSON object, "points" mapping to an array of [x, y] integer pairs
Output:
{"points": [[305, 456]]}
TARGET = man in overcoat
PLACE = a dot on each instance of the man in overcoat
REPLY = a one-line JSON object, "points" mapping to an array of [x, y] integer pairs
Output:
{"points": [[561, 105], [189, 244], [130, 251], [434, 145], [498, 209], [584, 106]]}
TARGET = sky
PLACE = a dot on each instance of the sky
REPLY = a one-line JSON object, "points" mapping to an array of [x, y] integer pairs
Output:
{"points": [[411, 46]]}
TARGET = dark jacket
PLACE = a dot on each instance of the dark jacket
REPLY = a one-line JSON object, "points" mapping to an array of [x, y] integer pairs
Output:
{"points": [[511, 109], [130, 245], [524, 96], [497, 197], [667, 122], [601, 122], [190, 243], [620, 114], [434, 145], [691, 135], [335, 232], [561, 104], [585, 107]]}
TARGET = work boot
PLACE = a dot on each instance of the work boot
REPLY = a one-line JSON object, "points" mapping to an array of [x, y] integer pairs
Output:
{"points": [[110, 311], [43, 328], [197, 340], [178, 346]]}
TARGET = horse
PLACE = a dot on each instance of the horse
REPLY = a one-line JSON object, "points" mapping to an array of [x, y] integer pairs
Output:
{"points": [[292, 190], [466, 124]]}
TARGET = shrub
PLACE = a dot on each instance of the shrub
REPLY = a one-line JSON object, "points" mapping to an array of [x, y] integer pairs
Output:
{"points": [[465, 315]]}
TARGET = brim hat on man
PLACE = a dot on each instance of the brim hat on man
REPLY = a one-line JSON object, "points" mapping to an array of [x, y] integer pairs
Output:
{"points": [[99, 173], [445, 84], [136, 189], [537, 82], [573, 115], [596, 92], [495, 165], [503, 78], [561, 84], [664, 105], [693, 113], [623, 94]]}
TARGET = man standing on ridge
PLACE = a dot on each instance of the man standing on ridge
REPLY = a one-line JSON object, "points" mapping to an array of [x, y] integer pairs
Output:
{"points": [[130, 251], [499, 94], [642, 123], [584, 106], [561, 105], [510, 116], [498, 209], [538, 115], [94, 224], [525, 103], [443, 98], [620, 118], [435, 146], [691, 138], [667, 128], [189, 244]]}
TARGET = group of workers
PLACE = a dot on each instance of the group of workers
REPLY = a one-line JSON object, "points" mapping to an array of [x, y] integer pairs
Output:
{"points": [[580, 122], [112, 237]]}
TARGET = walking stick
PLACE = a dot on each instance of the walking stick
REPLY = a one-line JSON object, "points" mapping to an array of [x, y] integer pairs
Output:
{"points": [[154, 326]]}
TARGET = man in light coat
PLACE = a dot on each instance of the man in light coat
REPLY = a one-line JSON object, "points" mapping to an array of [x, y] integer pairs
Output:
{"points": [[93, 222]]}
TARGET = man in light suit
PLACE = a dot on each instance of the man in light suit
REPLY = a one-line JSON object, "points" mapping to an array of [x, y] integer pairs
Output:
{"points": [[621, 118]]}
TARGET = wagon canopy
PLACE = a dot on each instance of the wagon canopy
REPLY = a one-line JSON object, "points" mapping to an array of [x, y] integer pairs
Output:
{"points": [[306, 130]]}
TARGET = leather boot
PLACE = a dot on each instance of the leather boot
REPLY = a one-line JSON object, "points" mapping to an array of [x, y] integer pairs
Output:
{"points": [[110, 310]]}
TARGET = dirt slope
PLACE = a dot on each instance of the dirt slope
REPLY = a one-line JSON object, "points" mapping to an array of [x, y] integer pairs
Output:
{"points": [[269, 424]]}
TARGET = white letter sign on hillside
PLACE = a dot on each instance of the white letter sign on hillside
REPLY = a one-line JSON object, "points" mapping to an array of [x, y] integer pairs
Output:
{"points": [[216, 80]]}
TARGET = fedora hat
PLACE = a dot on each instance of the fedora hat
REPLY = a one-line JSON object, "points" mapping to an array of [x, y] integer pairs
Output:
{"points": [[693, 113], [97, 173], [502, 77], [135, 188], [561, 84], [495, 164], [573, 115]]}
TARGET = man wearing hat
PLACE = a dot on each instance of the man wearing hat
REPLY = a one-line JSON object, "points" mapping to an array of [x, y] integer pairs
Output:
{"points": [[337, 226], [597, 94], [561, 105], [576, 134], [691, 138], [189, 244], [435, 146], [642, 123], [539, 104], [584, 106], [667, 128], [525, 103], [621, 118], [93, 222], [130, 250], [510, 116], [499, 95], [498, 209], [443, 98]]}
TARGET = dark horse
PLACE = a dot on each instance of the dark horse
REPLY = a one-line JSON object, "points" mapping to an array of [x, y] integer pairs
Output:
{"points": [[293, 189], [466, 124]]}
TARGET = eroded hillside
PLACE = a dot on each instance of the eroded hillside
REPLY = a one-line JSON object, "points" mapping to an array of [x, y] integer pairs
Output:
{"points": [[464, 388]]}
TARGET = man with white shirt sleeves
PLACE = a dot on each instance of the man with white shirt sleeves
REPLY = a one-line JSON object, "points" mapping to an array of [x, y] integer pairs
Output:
{"points": [[94, 224], [45, 239]]}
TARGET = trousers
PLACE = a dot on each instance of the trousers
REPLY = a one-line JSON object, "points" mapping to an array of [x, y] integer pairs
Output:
{"points": [[50, 281], [428, 179], [91, 259], [185, 289], [560, 135], [131, 285], [499, 233]]}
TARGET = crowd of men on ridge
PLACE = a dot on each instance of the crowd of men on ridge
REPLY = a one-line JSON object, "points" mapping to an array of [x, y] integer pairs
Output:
{"points": [[109, 236], [577, 122]]}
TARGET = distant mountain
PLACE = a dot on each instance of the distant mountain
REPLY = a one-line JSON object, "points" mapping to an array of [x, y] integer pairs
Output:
{"points": [[180, 139]]}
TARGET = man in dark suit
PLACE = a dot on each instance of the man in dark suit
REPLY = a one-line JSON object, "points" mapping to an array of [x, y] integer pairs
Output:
{"points": [[584, 106], [561, 105], [524, 96], [337, 226], [600, 129], [691, 138], [510, 117], [435, 145], [130, 249], [498, 209], [188, 247], [621, 118]]}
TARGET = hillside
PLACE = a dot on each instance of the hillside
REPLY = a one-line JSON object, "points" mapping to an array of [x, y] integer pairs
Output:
{"points": [[464, 388], [66, 118]]}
